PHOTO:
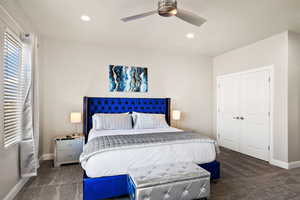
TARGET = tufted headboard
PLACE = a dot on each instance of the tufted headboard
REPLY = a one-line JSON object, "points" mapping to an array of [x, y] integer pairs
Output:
{"points": [[92, 105]]}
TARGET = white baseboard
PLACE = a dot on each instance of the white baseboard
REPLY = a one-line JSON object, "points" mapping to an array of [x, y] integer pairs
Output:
{"points": [[48, 156], [295, 164], [16, 189], [280, 164], [285, 165]]}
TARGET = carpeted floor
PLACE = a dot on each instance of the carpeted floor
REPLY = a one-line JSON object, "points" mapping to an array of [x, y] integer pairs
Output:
{"points": [[243, 178]]}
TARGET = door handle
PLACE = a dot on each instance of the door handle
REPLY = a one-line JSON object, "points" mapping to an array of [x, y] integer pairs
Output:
{"points": [[242, 118]]}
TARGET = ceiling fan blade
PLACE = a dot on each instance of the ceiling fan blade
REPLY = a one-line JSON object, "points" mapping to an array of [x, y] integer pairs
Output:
{"points": [[190, 17], [135, 17]]}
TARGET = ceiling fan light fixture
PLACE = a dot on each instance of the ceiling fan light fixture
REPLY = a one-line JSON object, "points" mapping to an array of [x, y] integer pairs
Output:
{"points": [[167, 8], [173, 12]]}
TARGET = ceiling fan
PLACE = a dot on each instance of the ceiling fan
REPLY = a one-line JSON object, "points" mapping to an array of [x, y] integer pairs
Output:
{"points": [[168, 8]]}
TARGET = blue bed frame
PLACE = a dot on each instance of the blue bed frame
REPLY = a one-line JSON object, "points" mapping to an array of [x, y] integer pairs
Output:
{"points": [[115, 186]]}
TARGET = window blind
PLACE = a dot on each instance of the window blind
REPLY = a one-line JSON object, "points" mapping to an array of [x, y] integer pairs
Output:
{"points": [[12, 96]]}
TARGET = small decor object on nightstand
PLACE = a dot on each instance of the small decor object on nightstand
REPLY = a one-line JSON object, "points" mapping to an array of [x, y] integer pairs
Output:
{"points": [[67, 149]]}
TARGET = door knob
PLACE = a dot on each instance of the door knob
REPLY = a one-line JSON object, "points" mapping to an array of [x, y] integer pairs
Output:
{"points": [[236, 118], [242, 118]]}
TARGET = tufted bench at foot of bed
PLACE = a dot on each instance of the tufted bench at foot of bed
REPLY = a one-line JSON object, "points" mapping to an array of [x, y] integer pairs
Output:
{"points": [[180, 181]]}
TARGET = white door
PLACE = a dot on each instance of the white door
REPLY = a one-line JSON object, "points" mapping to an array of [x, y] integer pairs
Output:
{"points": [[228, 112], [254, 109], [243, 113]]}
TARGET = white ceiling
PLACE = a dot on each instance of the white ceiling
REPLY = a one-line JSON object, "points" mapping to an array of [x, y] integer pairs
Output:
{"points": [[231, 23]]}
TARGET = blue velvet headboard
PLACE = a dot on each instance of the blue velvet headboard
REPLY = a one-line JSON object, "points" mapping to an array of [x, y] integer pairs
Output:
{"points": [[92, 105]]}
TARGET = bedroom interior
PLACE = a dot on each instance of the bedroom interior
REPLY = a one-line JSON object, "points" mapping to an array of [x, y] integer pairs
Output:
{"points": [[159, 99]]}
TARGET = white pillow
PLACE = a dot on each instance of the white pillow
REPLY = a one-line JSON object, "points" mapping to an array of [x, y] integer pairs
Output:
{"points": [[149, 121], [102, 121]]}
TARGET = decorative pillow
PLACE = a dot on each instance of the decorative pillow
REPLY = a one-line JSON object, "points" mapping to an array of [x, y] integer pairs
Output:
{"points": [[149, 120], [102, 121]]}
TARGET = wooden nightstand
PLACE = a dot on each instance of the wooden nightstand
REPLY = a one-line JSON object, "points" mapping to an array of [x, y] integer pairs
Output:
{"points": [[67, 149]]}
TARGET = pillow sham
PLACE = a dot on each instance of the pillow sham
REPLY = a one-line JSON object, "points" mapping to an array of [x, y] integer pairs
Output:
{"points": [[149, 120], [102, 121]]}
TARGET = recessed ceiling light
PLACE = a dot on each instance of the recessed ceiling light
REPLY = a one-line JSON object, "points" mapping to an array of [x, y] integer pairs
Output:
{"points": [[190, 35], [85, 18]]}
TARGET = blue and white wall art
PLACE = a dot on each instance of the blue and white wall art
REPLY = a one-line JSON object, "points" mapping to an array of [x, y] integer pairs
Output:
{"points": [[128, 79]]}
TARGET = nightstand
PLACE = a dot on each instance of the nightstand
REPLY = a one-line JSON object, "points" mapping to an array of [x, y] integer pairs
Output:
{"points": [[67, 149]]}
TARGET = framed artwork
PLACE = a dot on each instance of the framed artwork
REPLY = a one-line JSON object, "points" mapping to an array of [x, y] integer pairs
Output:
{"points": [[128, 79]]}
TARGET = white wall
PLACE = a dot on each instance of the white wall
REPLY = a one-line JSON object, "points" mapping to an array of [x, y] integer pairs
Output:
{"points": [[72, 70], [271, 51], [294, 97]]}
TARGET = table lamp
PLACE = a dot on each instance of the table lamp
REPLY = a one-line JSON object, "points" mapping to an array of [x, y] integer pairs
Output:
{"points": [[75, 118], [176, 115]]}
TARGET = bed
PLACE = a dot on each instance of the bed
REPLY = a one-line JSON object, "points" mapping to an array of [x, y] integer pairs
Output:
{"points": [[105, 177]]}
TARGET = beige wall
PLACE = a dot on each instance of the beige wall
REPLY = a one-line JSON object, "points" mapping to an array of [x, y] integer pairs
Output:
{"points": [[72, 70], [294, 97], [9, 173], [271, 51]]}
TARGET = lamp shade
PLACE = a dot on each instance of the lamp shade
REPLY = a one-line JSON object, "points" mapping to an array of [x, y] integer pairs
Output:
{"points": [[75, 117], [176, 115]]}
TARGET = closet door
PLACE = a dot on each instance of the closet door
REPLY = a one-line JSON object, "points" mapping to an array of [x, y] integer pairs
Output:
{"points": [[255, 116], [228, 111]]}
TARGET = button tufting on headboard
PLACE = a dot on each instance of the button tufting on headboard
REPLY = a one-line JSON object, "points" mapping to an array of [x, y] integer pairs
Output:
{"points": [[94, 105]]}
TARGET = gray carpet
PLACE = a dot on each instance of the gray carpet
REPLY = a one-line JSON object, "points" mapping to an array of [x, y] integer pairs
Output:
{"points": [[243, 178]]}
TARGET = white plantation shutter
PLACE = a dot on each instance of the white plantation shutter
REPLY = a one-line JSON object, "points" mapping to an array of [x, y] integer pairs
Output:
{"points": [[12, 83]]}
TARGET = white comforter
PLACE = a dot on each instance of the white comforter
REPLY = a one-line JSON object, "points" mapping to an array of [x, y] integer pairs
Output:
{"points": [[120, 161]]}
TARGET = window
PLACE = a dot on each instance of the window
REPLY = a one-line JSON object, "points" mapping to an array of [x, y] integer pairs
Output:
{"points": [[12, 87]]}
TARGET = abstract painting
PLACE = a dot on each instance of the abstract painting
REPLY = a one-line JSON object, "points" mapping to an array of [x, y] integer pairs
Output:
{"points": [[128, 79]]}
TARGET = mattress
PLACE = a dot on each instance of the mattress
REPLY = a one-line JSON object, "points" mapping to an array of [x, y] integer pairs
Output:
{"points": [[121, 161]]}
